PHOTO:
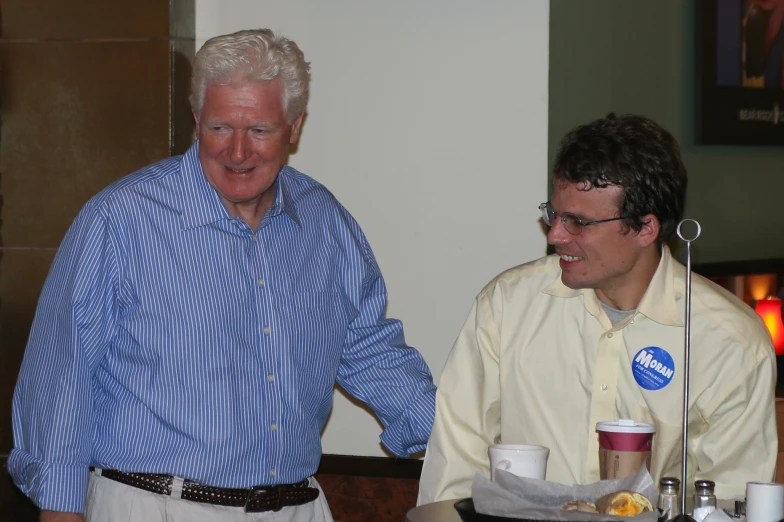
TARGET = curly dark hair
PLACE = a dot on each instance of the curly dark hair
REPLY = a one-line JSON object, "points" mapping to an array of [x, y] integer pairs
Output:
{"points": [[636, 154]]}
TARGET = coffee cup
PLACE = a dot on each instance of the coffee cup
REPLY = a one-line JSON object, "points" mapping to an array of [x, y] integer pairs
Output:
{"points": [[522, 460], [624, 446], [764, 502]]}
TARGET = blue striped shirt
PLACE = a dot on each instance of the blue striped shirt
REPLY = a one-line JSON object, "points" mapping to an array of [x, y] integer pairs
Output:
{"points": [[169, 338]]}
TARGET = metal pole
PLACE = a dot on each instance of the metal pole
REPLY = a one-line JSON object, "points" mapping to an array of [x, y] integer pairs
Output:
{"points": [[687, 350]]}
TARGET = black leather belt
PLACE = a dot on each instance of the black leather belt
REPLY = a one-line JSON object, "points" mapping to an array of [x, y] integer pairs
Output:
{"points": [[253, 500]]}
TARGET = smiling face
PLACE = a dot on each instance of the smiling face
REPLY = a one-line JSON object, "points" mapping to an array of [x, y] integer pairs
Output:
{"points": [[608, 257], [244, 141]]}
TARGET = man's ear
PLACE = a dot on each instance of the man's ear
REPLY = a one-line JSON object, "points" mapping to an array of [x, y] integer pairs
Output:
{"points": [[196, 119], [296, 127], [649, 231]]}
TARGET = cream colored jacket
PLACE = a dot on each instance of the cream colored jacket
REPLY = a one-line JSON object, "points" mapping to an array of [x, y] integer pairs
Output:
{"points": [[540, 363]]}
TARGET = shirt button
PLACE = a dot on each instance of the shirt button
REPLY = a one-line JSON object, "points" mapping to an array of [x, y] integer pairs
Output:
{"points": [[271, 378], [260, 282], [266, 329], [610, 335], [272, 473], [274, 427], [631, 322], [255, 237], [604, 387]]}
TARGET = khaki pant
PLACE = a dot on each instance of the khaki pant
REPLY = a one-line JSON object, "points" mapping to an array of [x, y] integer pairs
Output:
{"points": [[110, 501]]}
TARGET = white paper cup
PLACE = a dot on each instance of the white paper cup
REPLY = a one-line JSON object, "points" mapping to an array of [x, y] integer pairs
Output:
{"points": [[624, 446], [522, 460], [764, 502]]}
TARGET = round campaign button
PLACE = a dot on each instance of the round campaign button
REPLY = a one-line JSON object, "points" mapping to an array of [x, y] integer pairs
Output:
{"points": [[653, 368]]}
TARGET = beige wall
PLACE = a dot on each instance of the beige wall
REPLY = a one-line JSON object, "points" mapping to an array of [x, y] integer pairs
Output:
{"points": [[428, 121]]}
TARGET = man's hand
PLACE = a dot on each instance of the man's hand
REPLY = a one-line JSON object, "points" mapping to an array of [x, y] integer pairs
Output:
{"points": [[59, 516]]}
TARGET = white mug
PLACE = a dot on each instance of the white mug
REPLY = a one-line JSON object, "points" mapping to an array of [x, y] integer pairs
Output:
{"points": [[522, 460], [764, 502]]}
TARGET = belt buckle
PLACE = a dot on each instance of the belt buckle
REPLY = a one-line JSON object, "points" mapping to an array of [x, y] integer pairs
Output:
{"points": [[277, 491]]}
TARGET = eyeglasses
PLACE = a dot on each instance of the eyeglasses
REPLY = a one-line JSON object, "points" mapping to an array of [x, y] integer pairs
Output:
{"points": [[571, 223]]}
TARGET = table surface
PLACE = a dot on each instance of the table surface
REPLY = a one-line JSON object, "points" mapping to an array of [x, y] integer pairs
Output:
{"points": [[443, 511]]}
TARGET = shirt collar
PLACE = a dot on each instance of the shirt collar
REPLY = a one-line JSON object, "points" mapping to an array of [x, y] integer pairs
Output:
{"points": [[659, 303], [202, 205], [285, 196]]}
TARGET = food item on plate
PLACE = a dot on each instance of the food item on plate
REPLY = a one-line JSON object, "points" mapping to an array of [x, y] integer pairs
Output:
{"points": [[624, 503], [580, 505]]}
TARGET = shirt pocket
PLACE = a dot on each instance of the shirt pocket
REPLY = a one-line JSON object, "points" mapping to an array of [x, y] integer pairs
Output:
{"points": [[315, 324], [667, 442], [309, 311]]}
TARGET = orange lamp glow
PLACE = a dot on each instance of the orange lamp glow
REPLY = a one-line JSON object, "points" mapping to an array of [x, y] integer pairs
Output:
{"points": [[770, 311]]}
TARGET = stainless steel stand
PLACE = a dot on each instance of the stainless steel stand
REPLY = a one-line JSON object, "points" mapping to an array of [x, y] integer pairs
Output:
{"points": [[683, 517]]}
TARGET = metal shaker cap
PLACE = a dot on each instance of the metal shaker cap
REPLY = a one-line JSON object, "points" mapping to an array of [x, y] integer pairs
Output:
{"points": [[670, 482]]}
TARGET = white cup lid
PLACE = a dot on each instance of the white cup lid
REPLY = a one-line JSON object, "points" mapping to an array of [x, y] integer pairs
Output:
{"points": [[625, 426]]}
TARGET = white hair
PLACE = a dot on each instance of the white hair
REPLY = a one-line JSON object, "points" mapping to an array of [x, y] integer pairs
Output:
{"points": [[252, 55]]}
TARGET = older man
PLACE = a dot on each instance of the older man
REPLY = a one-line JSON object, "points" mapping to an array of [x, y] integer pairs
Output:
{"points": [[197, 316], [554, 346]]}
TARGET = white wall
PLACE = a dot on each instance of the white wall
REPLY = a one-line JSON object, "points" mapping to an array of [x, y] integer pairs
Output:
{"points": [[428, 121]]}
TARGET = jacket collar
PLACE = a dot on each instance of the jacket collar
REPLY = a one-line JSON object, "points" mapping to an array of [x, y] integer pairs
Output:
{"points": [[659, 303]]}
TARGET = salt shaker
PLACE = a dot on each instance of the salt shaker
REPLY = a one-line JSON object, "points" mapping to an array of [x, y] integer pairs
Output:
{"points": [[704, 499], [669, 504]]}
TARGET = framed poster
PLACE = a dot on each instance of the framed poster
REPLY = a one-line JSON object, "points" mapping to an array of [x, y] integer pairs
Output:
{"points": [[740, 72]]}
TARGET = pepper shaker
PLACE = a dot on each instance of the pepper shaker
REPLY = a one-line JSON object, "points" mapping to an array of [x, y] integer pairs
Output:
{"points": [[669, 504]]}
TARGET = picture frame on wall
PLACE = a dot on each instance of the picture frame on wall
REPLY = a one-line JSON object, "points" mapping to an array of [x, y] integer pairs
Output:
{"points": [[740, 72]]}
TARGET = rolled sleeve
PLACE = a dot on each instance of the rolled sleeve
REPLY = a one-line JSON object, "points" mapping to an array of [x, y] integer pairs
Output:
{"points": [[56, 487], [52, 411], [380, 369]]}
